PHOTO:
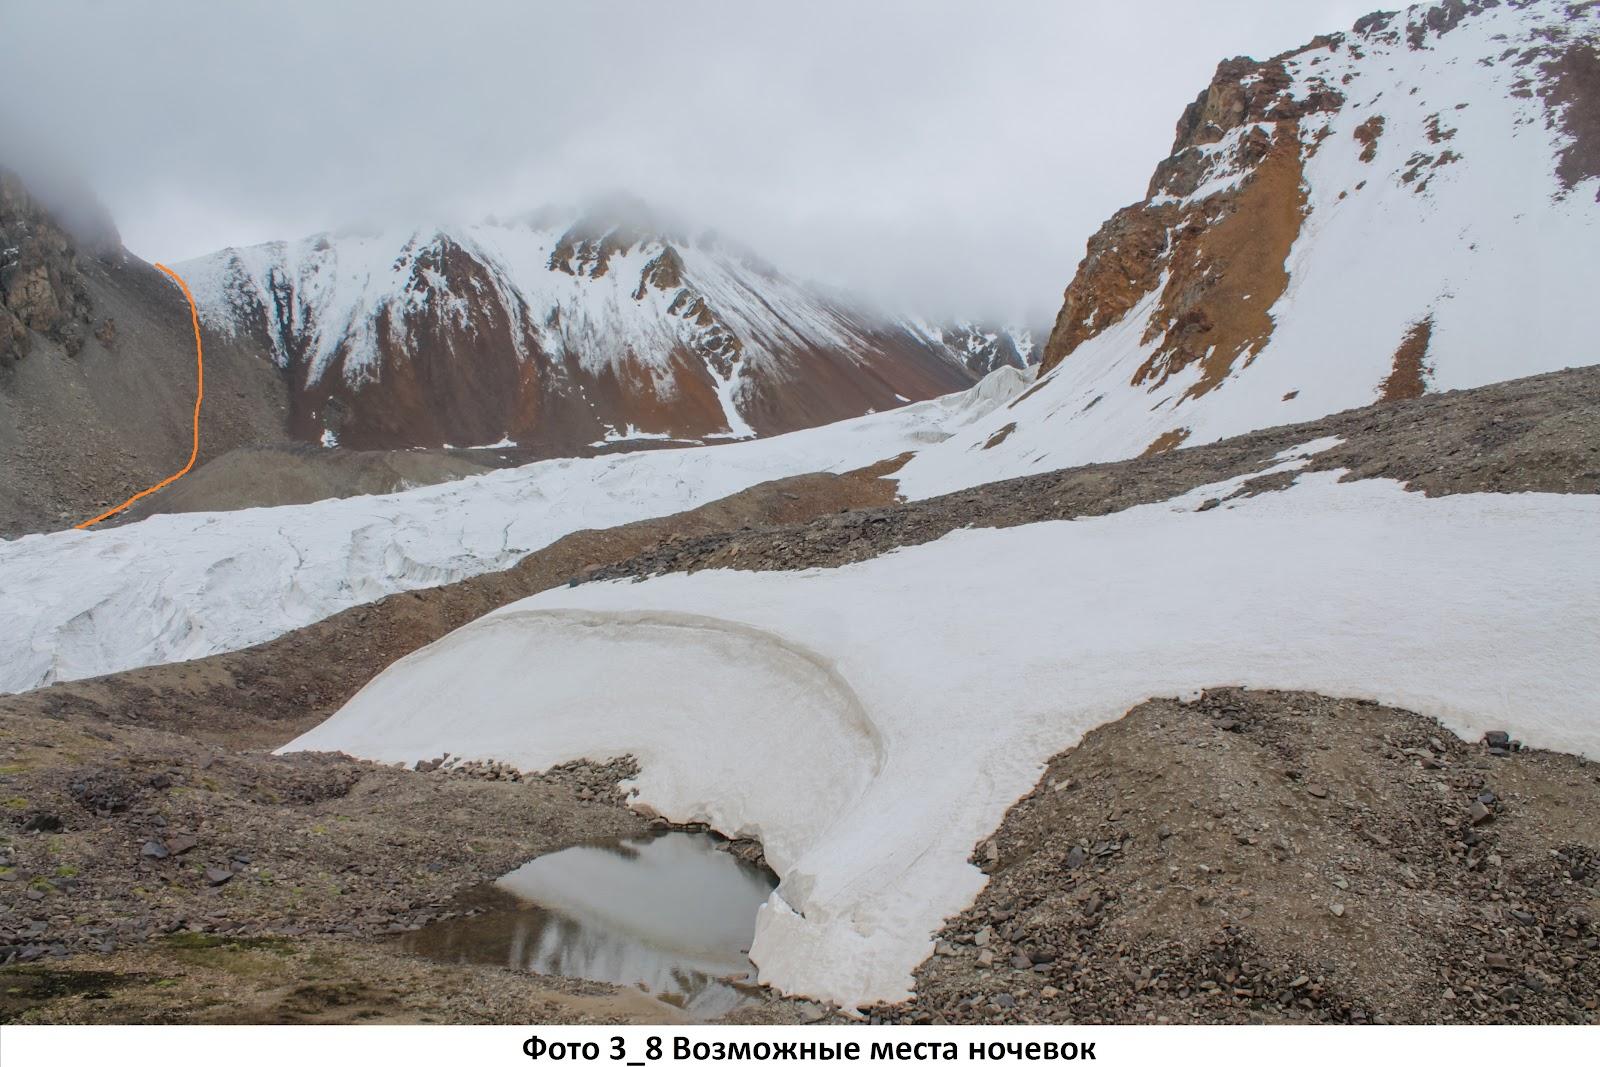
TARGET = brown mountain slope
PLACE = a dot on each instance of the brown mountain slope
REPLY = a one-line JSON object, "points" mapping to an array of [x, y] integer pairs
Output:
{"points": [[97, 373], [559, 330]]}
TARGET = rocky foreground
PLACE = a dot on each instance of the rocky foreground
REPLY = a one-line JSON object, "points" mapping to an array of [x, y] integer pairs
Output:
{"points": [[1253, 856], [1259, 856]]}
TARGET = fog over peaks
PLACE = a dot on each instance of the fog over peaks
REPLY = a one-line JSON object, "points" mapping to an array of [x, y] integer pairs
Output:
{"points": [[939, 156]]}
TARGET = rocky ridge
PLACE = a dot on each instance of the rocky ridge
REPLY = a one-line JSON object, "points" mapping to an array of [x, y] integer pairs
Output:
{"points": [[1537, 434], [97, 374], [1335, 225], [988, 346], [1263, 856], [1226, 205]]}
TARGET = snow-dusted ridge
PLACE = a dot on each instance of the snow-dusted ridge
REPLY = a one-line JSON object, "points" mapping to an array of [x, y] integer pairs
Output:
{"points": [[869, 734], [343, 284], [986, 346]]}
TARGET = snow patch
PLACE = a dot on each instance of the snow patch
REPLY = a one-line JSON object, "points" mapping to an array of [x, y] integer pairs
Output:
{"points": [[870, 735]]}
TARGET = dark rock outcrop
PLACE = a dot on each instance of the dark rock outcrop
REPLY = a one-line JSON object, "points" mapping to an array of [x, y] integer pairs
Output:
{"points": [[41, 288]]}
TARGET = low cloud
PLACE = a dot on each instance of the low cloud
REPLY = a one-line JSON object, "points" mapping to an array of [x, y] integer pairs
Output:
{"points": [[941, 156]]}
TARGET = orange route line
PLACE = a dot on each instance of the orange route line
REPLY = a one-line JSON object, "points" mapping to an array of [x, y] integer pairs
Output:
{"points": [[199, 395]]}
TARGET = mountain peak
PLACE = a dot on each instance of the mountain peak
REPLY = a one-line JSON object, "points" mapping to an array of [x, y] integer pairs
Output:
{"points": [[559, 330]]}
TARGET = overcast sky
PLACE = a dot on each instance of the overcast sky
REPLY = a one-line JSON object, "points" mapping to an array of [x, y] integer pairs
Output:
{"points": [[948, 157]]}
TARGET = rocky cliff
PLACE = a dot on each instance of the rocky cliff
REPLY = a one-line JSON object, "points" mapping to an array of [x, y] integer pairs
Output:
{"points": [[42, 289], [1208, 251], [987, 346], [1406, 207]]}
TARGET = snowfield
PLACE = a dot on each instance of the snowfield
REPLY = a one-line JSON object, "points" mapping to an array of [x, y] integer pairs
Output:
{"points": [[79, 603], [871, 723]]}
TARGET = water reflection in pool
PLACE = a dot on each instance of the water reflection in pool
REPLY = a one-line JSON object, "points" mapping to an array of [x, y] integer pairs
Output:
{"points": [[669, 914]]}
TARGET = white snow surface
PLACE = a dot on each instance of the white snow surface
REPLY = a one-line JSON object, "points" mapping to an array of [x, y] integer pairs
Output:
{"points": [[78, 603], [1493, 249], [871, 723]]}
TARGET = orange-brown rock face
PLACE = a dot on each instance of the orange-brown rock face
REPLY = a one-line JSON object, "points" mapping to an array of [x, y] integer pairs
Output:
{"points": [[1209, 244], [1215, 263]]}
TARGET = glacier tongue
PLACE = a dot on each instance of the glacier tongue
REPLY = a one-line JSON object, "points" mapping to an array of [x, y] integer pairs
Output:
{"points": [[176, 587]]}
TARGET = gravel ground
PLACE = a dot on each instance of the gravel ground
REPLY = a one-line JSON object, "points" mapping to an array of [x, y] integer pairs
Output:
{"points": [[175, 881], [1282, 857], [266, 476]]}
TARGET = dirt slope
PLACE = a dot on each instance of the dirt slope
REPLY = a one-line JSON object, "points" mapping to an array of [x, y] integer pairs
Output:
{"points": [[274, 475], [264, 477]]}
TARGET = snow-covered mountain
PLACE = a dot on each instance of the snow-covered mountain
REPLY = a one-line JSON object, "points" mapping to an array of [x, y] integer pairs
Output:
{"points": [[1410, 206], [558, 328], [986, 346]]}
